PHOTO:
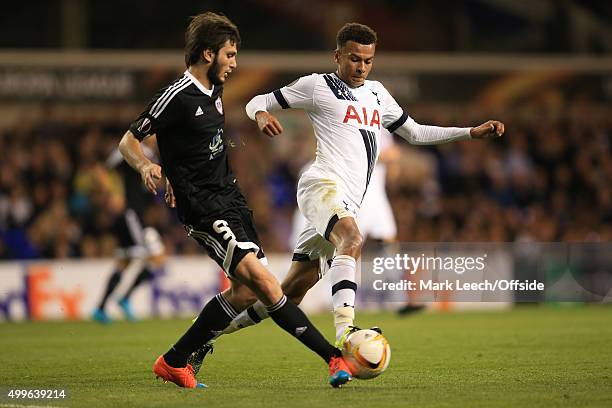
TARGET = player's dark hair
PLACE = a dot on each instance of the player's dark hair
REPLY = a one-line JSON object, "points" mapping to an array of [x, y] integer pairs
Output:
{"points": [[208, 31], [360, 33]]}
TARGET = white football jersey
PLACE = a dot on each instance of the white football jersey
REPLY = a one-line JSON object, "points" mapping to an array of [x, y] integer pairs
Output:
{"points": [[347, 124], [378, 181]]}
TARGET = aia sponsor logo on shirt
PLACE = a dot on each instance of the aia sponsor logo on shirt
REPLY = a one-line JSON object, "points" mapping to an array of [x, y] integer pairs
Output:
{"points": [[362, 117]]}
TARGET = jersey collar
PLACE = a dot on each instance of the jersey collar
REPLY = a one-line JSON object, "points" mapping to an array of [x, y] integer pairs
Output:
{"points": [[347, 84], [197, 83]]}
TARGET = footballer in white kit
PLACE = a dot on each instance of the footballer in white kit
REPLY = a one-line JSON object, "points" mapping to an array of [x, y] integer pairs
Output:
{"points": [[347, 123], [375, 217], [348, 114]]}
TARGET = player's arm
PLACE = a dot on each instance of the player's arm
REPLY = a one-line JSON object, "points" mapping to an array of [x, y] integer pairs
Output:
{"points": [[169, 197], [418, 134], [163, 111], [397, 121], [132, 152], [299, 94]]}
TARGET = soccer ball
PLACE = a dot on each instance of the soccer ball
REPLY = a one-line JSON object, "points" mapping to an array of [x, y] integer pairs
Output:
{"points": [[367, 353]]}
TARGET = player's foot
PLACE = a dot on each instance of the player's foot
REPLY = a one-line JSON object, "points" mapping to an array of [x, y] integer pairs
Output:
{"points": [[197, 357], [410, 309], [100, 316], [183, 377], [347, 332], [126, 307], [350, 330], [339, 373]]}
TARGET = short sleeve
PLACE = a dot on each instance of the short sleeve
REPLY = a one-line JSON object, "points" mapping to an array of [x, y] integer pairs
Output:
{"points": [[161, 113]]}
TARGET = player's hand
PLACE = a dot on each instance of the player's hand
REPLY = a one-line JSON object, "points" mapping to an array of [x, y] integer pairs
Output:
{"points": [[169, 196], [149, 173], [268, 124], [489, 129]]}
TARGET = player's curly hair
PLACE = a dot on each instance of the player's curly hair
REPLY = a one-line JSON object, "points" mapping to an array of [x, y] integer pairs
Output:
{"points": [[208, 31], [360, 33]]}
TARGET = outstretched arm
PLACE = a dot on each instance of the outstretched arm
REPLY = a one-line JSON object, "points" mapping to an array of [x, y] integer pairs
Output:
{"points": [[298, 94], [132, 152], [397, 121], [418, 134]]}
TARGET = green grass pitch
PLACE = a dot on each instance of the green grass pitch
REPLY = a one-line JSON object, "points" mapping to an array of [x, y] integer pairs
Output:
{"points": [[529, 356]]}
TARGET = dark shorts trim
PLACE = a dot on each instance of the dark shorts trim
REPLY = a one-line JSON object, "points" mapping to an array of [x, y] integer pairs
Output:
{"points": [[300, 257], [330, 225]]}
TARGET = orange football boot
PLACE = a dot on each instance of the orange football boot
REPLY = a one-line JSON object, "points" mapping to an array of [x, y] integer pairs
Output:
{"points": [[183, 377], [339, 372]]}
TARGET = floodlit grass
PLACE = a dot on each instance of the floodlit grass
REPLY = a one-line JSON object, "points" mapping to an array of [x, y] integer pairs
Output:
{"points": [[529, 356]]}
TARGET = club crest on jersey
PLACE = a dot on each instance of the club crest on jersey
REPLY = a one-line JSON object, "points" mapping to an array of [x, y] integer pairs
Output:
{"points": [[362, 117], [219, 105]]}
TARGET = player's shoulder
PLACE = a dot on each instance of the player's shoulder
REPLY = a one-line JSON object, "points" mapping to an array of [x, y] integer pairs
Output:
{"points": [[306, 79], [375, 86], [176, 86], [170, 94]]}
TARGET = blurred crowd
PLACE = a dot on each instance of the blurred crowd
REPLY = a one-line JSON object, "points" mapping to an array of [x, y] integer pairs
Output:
{"points": [[548, 179]]}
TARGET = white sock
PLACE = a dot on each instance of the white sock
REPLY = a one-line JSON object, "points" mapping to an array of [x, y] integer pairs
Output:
{"points": [[248, 317], [344, 286]]}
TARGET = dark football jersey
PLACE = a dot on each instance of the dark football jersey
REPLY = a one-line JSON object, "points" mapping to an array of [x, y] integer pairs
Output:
{"points": [[188, 120]]}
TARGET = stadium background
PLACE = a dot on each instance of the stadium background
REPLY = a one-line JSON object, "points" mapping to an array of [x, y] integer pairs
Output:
{"points": [[73, 74]]}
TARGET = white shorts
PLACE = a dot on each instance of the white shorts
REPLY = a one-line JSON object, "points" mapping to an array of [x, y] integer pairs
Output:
{"points": [[153, 242], [376, 218], [312, 246], [322, 202]]}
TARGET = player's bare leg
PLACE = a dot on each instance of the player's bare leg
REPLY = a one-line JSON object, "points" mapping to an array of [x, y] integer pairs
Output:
{"points": [[288, 316], [302, 276], [218, 313]]}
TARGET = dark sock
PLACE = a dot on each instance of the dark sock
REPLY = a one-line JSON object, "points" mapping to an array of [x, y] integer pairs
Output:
{"points": [[144, 276], [110, 287], [287, 315], [216, 316]]}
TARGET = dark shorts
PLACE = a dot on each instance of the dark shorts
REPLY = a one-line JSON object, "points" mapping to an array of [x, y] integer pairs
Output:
{"points": [[130, 234], [228, 237]]}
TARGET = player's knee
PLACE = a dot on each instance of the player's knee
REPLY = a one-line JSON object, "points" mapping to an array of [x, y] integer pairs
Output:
{"points": [[352, 244], [295, 292], [240, 298], [261, 281], [296, 289], [268, 285]]}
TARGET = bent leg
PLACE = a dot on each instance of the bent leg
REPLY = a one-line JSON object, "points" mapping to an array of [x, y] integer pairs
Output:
{"points": [[302, 276], [283, 311], [348, 241]]}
